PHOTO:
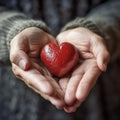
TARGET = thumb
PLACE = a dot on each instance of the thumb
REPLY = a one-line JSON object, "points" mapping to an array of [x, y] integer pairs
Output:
{"points": [[101, 53], [102, 60], [20, 58]]}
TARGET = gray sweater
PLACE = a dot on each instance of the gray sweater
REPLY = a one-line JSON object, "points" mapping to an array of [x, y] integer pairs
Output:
{"points": [[17, 101], [104, 20]]}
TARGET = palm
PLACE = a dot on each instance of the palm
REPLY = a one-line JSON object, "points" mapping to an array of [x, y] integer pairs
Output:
{"points": [[27, 46], [83, 78], [72, 83]]}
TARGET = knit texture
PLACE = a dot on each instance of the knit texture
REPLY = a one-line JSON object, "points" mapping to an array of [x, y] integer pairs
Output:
{"points": [[12, 23], [82, 22], [107, 20], [18, 102]]}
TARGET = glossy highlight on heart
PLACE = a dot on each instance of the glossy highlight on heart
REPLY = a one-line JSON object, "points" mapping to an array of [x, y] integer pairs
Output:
{"points": [[59, 60]]}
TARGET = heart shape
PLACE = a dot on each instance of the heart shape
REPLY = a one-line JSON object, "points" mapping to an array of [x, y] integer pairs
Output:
{"points": [[59, 60]]}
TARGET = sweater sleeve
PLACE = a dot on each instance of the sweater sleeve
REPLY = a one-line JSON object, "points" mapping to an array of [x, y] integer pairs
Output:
{"points": [[105, 21], [12, 23]]}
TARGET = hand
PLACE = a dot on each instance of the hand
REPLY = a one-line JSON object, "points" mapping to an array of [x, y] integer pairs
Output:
{"points": [[94, 57], [24, 56]]}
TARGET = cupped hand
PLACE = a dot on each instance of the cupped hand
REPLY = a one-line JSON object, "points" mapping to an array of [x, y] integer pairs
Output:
{"points": [[94, 58], [24, 55]]}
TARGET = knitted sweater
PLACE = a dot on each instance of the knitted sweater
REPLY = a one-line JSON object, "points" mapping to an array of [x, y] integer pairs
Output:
{"points": [[100, 17], [13, 22]]}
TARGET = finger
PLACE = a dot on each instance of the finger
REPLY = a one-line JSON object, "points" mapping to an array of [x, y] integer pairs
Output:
{"points": [[71, 90], [70, 95], [70, 109], [57, 102], [57, 99], [21, 59], [59, 91], [86, 83], [53, 99], [73, 107], [34, 78], [63, 83], [41, 85], [102, 60], [18, 54], [100, 51]]}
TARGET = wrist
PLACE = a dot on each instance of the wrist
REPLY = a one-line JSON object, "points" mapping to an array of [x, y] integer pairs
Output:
{"points": [[82, 22]]}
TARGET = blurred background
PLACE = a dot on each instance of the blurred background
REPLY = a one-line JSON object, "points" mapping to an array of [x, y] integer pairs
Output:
{"points": [[18, 102]]}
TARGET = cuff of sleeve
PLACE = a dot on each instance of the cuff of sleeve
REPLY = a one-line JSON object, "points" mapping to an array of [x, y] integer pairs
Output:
{"points": [[12, 23], [82, 22]]}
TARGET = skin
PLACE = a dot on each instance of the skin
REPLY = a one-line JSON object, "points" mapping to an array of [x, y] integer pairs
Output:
{"points": [[68, 92], [95, 57], [24, 56]]}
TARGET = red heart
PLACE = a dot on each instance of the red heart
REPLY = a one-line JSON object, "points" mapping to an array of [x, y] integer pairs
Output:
{"points": [[59, 59]]}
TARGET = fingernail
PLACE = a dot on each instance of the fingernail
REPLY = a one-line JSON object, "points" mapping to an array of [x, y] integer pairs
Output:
{"points": [[22, 64]]}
